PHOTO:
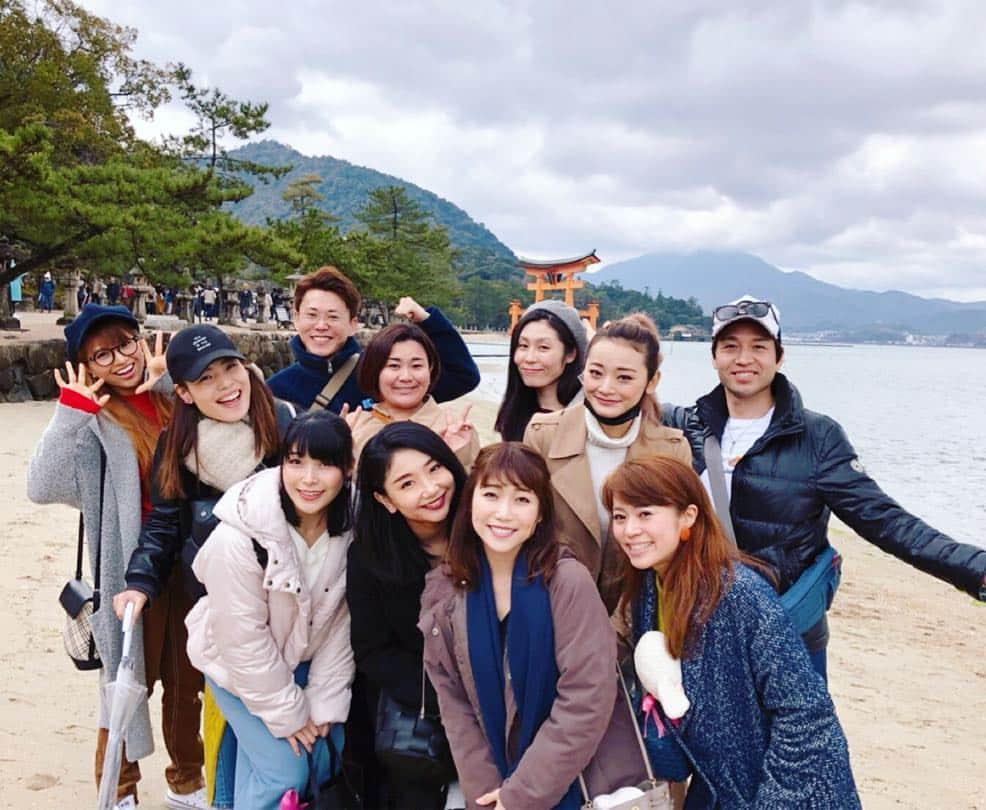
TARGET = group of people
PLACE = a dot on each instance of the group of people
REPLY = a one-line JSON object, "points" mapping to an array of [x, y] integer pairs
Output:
{"points": [[620, 597]]}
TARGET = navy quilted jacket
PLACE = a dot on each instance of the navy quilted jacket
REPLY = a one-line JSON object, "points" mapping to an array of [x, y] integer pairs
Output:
{"points": [[761, 731], [799, 472]]}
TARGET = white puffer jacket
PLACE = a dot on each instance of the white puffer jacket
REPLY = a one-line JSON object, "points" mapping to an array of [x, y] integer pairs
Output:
{"points": [[255, 626]]}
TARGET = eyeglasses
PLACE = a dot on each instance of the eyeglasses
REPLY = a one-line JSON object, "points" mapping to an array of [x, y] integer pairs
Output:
{"points": [[104, 357], [755, 309]]}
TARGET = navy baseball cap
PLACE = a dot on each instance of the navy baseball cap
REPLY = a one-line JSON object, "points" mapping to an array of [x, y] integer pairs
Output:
{"points": [[193, 348], [92, 315]]}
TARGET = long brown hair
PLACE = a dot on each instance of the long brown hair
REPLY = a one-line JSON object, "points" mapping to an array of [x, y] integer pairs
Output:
{"points": [[701, 569], [517, 464], [640, 331], [142, 433], [182, 435]]}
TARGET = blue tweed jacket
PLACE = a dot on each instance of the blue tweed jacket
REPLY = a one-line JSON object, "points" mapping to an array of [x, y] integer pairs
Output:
{"points": [[761, 731]]}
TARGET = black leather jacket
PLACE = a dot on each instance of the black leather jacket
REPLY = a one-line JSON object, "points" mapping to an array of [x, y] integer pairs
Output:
{"points": [[177, 527], [799, 472]]}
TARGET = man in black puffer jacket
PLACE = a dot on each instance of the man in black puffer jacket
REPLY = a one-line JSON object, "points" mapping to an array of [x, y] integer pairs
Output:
{"points": [[788, 468]]}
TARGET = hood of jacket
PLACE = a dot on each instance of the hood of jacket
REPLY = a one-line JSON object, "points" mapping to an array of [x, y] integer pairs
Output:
{"points": [[324, 365], [253, 507]]}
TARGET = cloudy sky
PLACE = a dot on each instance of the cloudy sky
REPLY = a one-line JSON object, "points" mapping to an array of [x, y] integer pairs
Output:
{"points": [[846, 139]]}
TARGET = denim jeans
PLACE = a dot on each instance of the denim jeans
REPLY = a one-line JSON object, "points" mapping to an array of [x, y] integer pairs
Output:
{"points": [[266, 767]]}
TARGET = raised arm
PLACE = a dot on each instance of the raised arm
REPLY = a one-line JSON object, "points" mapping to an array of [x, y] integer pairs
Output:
{"points": [[860, 503], [460, 375]]}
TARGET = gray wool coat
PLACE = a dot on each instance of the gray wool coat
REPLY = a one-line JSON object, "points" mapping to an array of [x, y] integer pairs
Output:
{"points": [[65, 469]]}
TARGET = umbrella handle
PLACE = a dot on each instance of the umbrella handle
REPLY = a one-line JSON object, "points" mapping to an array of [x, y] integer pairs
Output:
{"points": [[128, 625]]}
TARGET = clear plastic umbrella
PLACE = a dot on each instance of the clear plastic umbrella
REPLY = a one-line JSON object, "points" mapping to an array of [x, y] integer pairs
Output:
{"points": [[123, 696]]}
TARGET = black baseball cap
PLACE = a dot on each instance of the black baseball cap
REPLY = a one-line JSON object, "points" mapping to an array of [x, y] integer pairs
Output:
{"points": [[90, 316], [193, 348]]}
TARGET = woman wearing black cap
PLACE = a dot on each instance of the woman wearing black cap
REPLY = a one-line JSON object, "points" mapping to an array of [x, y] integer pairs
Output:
{"points": [[225, 426], [95, 455]]}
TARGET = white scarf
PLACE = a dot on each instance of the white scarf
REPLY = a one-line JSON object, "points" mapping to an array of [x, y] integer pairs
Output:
{"points": [[225, 452]]}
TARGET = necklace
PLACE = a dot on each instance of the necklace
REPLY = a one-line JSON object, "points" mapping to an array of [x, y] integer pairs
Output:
{"points": [[734, 437]]}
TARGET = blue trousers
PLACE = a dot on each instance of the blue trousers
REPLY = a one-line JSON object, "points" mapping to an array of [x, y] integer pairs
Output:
{"points": [[266, 767]]}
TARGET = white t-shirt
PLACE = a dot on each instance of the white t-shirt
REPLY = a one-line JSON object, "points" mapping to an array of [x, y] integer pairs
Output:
{"points": [[738, 437], [312, 558]]}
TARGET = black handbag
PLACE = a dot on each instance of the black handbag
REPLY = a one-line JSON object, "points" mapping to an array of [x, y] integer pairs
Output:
{"points": [[337, 792], [411, 743], [80, 600]]}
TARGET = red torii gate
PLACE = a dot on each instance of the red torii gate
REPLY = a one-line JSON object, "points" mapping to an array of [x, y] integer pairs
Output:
{"points": [[560, 274]]}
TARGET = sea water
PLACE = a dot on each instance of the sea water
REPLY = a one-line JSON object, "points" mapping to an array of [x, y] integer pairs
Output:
{"points": [[915, 415]]}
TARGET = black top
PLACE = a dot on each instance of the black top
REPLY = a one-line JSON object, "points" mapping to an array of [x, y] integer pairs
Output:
{"points": [[387, 644]]}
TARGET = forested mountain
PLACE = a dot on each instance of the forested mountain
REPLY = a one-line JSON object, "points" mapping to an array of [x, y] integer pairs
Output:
{"points": [[345, 187]]}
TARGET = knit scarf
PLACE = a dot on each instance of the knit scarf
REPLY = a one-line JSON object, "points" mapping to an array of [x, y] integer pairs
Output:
{"points": [[225, 452], [530, 641]]}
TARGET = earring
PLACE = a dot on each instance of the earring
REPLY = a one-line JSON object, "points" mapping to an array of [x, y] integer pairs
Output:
{"points": [[686, 534]]}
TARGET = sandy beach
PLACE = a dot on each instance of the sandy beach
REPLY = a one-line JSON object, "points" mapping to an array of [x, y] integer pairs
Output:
{"points": [[907, 670]]}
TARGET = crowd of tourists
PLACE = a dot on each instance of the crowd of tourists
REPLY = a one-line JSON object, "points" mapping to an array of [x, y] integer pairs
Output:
{"points": [[339, 591]]}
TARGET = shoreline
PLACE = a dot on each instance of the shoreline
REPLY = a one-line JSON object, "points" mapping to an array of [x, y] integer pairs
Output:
{"points": [[907, 672]]}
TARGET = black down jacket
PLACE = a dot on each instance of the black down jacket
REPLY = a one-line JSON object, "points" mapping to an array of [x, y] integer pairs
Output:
{"points": [[799, 472], [174, 523]]}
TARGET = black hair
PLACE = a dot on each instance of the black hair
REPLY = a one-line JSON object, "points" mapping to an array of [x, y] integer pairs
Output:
{"points": [[325, 437], [386, 545], [520, 403]]}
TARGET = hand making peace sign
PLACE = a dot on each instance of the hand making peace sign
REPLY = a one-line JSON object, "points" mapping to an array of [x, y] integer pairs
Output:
{"points": [[457, 432]]}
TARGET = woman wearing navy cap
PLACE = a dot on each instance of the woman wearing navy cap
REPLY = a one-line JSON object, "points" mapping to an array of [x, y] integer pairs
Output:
{"points": [[95, 455]]}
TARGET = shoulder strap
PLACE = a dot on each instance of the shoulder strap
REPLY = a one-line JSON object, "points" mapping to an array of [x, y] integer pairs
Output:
{"points": [[78, 555], [97, 539], [336, 381], [640, 741], [717, 483]]}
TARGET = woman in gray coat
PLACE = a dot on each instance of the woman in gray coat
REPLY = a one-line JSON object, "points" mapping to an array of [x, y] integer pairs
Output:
{"points": [[106, 409]]}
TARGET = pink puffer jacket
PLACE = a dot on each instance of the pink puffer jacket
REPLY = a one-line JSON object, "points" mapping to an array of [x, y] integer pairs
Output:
{"points": [[255, 626]]}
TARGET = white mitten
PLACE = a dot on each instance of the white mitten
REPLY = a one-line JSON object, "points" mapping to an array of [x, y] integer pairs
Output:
{"points": [[615, 799], [660, 673]]}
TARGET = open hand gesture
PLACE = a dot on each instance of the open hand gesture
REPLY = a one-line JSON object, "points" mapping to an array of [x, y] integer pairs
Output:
{"points": [[78, 381], [155, 364], [408, 308], [457, 432]]}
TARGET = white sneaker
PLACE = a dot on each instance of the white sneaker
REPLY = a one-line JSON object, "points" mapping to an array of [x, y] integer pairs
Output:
{"points": [[126, 803], [186, 801]]}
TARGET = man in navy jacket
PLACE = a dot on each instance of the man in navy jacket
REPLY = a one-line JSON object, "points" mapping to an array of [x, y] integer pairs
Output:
{"points": [[788, 468], [326, 304]]}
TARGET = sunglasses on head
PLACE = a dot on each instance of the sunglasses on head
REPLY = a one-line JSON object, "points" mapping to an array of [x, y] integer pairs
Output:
{"points": [[755, 309]]}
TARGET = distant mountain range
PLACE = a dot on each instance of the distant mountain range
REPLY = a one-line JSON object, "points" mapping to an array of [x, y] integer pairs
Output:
{"points": [[806, 304], [345, 187], [711, 277]]}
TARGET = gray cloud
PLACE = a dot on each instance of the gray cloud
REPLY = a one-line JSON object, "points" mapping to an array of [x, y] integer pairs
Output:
{"points": [[842, 138]]}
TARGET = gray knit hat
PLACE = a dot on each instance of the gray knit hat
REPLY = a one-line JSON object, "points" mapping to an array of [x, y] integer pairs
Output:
{"points": [[568, 316]]}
